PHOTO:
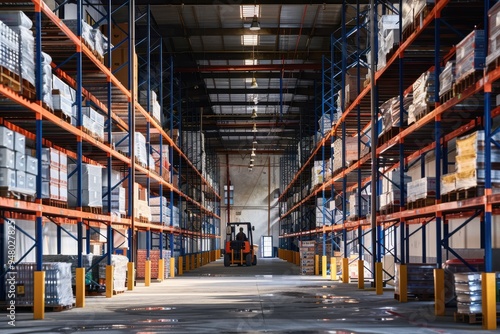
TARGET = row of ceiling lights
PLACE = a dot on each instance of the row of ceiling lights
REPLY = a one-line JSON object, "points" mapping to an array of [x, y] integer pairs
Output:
{"points": [[254, 26]]}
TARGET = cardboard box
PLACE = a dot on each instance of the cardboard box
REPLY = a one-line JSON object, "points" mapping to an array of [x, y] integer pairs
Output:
{"points": [[7, 158], [6, 138]]}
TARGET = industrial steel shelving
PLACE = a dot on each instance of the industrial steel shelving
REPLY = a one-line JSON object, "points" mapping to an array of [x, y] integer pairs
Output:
{"points": [[442, 24], [96, 85]]}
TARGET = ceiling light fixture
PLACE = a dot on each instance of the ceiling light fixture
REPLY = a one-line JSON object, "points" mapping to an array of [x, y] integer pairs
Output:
{"points": [[253, 153], [249, 169], [255, 24], [254, 113], [252, 160], [254, 127], [251, 165], [254, 142]]}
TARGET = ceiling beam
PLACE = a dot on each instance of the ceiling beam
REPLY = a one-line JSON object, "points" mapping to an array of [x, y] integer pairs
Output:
{"points": [[262, 91], [233, 3], [173, 31], [279, 67]]}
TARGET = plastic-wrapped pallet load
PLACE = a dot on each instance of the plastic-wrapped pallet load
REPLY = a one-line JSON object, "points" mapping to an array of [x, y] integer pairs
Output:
{"points": [[323, 213], [58, 286], [447, 78], [9, 49], [47, 80], [73, 261], [120, 142], [87, 35], [468, 290], [470, 54], [91, 194], [421, 189], [448, 183], [355, 206], [120, 263], [307, 250]]}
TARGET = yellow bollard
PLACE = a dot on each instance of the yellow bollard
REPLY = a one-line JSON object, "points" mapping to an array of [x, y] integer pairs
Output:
{"points": [[109, 281], [333, 268], [379, 284], [403, 283], [361, 274], [80, 287], [147, 273], [130, 276], [488, 283], [323, 266], [439, 304], [180, 270], [39, 295], [172, 267], [161, 269], [316, 264], [345, 270]]}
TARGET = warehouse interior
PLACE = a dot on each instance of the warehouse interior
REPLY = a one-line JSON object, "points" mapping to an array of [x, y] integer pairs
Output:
{"points": [[359, 138]]}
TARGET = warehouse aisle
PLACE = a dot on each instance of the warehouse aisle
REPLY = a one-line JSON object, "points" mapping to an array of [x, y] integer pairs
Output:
{"points": [[269, 298]]}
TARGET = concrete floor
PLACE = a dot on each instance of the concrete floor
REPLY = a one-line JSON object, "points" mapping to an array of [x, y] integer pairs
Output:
{"points": [[269, 297]]}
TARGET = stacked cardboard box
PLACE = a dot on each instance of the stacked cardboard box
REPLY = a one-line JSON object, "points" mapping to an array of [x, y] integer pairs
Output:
{"points": [[93, 121], [325, 123], [470, 161], [120, 264], [63, 97], [470, 54], [411, 11], [447, 78], [388, 35], [391, 189], [351, 151], [58, 286], [154, 256], [421, 189], [307, 251], [153, 106], [54, 174], [120, 142], [18, 169], [448, 183], [91, 192], [359, 209], [320, 172], [390, 112], [423, 96]]}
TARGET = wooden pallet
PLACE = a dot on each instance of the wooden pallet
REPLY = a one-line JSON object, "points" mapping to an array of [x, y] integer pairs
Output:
{"points": [[470, 79], [115, 292], [388, 135], [6, 193], [94, 210], [55, 203], [458, 195], [422, 114], [468, 318], [10, 79], [445, 97], [62, 115], [421, 203], [389, 209], [28, 90]]}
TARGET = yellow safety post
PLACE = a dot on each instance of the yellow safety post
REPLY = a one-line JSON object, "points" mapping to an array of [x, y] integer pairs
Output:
{"points": [[80, 287], [130, 276], [172, 267], [161, 269], [109, 281], [361, 274], [39, 295], [181, 270], [345, 270], [439, 304], [403, 283], [147, 273], [333, 268], [379, 284], [323, 266], [489, 305], [316, 264], [187, 262]]}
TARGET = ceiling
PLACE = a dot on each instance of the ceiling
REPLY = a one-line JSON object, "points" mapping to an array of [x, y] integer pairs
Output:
{"points": [[216, 57]]}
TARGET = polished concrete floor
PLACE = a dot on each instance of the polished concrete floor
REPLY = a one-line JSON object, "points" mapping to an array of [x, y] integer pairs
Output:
{"points": [[269, 298]]}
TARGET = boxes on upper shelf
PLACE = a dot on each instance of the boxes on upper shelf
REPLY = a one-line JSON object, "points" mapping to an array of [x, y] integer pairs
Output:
{"points": [[7, 158], [7, 177], [91, 177], [6, 138], [421, 189]]}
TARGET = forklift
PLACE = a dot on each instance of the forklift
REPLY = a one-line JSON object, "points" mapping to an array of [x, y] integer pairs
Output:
{"points": [[239, 248]]}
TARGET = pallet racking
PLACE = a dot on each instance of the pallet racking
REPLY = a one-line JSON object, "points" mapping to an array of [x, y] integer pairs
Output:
{"points": [[427, 41], [142, 68]]}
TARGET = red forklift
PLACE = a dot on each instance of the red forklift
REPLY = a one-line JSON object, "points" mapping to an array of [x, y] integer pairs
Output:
{"points": [[239, 248]]}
